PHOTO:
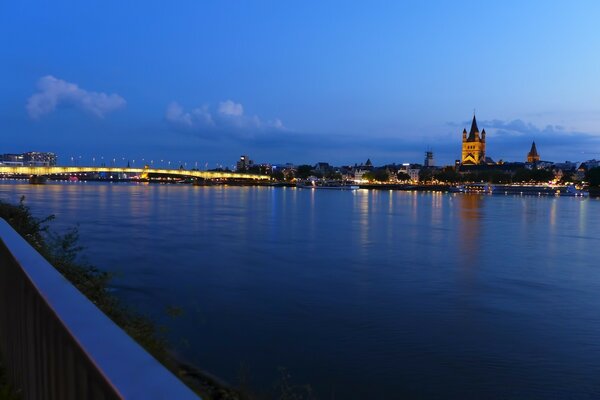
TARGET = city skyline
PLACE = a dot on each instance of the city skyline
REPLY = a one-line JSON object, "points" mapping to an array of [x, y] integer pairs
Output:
{"points": [[288, 84]]}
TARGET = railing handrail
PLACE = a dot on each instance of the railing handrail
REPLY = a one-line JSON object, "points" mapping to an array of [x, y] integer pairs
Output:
{"points": [[75, 323]]}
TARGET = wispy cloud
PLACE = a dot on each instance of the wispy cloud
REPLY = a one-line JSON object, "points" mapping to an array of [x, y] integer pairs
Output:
{"points": [[228, 117], [198, 116], [54, 92], [230, 108], [520, 127]]}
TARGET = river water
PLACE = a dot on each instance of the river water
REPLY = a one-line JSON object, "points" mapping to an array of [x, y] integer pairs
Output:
{"points": [[366, 294]]}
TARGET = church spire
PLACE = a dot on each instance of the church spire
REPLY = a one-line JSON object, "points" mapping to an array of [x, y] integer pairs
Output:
{"points": [[533, 150], [474, 127], [533, 156]]}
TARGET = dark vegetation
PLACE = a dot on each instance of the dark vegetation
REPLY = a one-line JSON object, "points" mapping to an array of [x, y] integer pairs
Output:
{"points": [[6, 391], [521, 175], [592, 176], [378, 175], [62, 252]]}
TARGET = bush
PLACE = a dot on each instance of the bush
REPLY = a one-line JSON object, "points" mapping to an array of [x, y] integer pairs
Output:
{"points": [[62, 252]]}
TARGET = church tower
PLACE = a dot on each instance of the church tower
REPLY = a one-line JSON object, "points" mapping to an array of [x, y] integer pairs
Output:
{"points": [[473, 146], [533, 156]]}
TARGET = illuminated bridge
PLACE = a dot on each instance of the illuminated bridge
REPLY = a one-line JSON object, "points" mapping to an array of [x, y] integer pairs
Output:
{"points": [[143, 173]]}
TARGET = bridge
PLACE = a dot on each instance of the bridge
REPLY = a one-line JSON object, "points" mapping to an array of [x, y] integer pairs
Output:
{"points": [[141, 172]]}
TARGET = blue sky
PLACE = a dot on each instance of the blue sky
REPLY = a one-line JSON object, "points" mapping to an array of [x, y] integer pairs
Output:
{"points": [[203, 82]]}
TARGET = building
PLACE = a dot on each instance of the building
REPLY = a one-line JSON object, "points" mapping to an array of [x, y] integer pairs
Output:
{"points": [[31, 159], [533, 156], [428, 159], [39, 159], [11, 159], [323, 168], [244, 163], [413, 172], [473, 145]]}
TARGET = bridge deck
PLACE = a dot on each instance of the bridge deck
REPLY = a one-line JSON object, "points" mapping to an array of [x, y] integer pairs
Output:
{"points": [[18, 170]]}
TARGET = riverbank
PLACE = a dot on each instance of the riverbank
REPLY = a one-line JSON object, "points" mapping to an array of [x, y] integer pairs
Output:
{"points": [[62, 251]]}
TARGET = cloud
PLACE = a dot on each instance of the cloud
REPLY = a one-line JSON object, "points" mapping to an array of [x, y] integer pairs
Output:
{"points": [[520, 127], [511, 140], [228, 107], [54, 92], [198, 116], [229, 119]]}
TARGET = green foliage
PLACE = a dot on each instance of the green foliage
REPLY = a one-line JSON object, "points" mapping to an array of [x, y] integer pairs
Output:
{"points": [[491, 176], [381, 175], [304, 171], [448, 176], [592, 176], [425, 175], [62, 252], [277, 175], [533, 175], [19, 217], [378, 175], [333, 175], [403, 176], [568, 176], [7, 392]]}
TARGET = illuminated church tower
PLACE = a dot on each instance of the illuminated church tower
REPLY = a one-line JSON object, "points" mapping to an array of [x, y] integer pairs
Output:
{"points": [[473, 146], [533, 156]]}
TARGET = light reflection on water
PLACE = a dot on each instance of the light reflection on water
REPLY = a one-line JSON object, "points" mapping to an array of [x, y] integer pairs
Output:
{"points": [[367, 294]]}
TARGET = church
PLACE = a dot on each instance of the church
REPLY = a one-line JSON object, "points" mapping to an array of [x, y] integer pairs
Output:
{"points": [[533, 156], [473, 145]]}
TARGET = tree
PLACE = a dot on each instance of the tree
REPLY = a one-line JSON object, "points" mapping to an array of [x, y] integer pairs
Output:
{"points": [[378, 175], [333, 175], [277, 175], [304, 171], [425, 175], [403, 176], [448, 176], [568, 176], [593, 177]]}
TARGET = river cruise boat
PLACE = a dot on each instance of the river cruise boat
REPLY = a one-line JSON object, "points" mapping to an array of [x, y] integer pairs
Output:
{"points": [[525, 190]]}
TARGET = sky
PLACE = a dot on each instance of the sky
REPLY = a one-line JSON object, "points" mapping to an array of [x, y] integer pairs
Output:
{"points": [[202, 82]]}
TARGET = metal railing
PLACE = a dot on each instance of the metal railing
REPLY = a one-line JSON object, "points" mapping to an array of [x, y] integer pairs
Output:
{"points": [[56, 344]]}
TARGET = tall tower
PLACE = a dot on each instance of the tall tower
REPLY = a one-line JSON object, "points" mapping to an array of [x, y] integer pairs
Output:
{"points": [[428, 158], [533, 156], [473, 146]]}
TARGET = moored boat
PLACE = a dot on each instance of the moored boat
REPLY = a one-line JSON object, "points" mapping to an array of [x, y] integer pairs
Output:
{"points": [[329, 185]]}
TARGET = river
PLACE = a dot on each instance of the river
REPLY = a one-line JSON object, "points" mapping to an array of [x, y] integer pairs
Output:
{"points": [[365, 294]]}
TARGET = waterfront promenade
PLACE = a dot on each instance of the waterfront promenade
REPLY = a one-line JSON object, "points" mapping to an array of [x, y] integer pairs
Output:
{"points": [[394, 293]]}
